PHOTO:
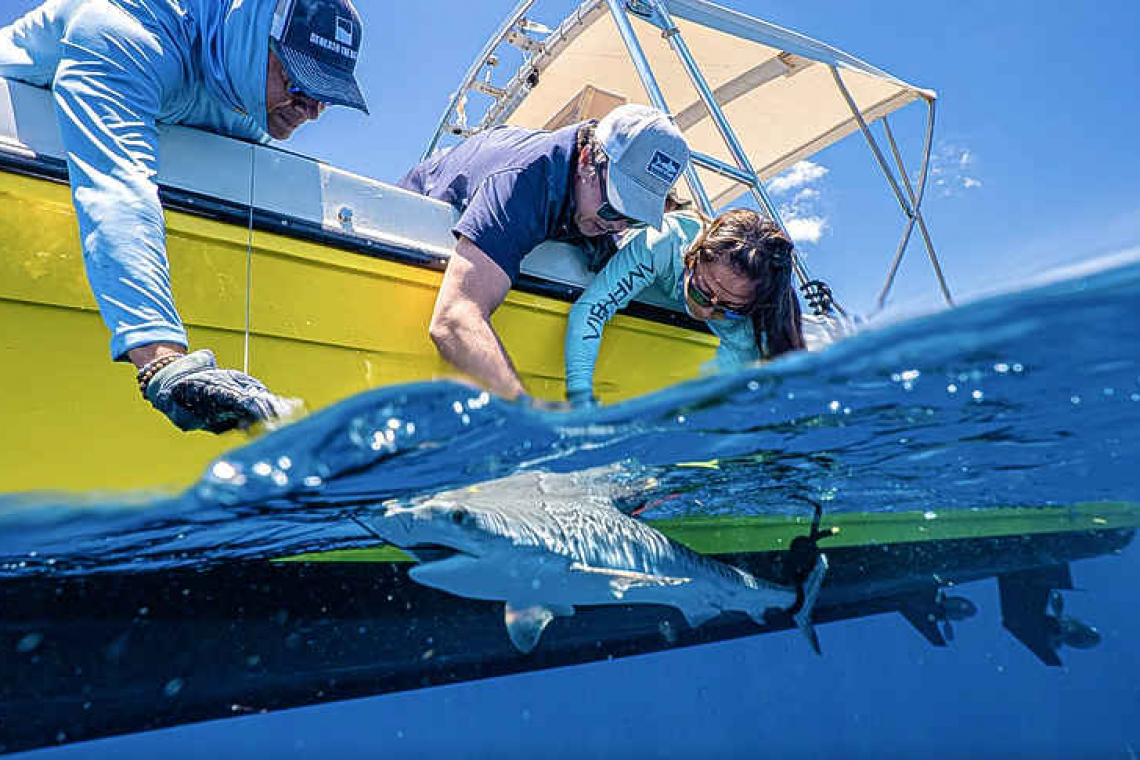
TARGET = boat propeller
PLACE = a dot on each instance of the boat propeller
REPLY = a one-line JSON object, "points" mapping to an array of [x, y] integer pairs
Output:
{"points": [[1070, 631], [952, 608]]}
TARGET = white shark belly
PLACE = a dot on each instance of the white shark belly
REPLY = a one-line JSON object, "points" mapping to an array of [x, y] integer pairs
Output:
{"points": [[529, 578]]}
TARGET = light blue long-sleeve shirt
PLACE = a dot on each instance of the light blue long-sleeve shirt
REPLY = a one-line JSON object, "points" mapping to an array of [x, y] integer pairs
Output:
{"points": [[646, 258], [116, 68]]}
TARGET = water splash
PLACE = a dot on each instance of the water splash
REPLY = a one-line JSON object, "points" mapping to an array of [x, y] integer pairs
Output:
{"points": [[1027, 399]]}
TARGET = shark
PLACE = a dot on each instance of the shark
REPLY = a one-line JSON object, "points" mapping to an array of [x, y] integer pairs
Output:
{"points": [[543, 544]]}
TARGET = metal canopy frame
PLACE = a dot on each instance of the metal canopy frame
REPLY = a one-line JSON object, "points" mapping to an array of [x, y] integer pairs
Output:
{"points": [[517, 31]]}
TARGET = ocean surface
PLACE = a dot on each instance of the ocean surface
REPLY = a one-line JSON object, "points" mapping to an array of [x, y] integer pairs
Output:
{"points": [[1025, 400]]}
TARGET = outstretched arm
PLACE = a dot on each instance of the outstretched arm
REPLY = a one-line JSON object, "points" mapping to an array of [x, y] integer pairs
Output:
{"points": [[108, 92], [473, 287], [107, 96], [629, 272]]}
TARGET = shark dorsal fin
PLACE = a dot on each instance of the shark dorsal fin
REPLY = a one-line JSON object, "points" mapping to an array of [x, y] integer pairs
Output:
{"points": [[526, 624]]}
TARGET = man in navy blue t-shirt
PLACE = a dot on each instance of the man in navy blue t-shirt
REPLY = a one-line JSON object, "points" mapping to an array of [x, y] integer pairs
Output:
{"points": [[516, 188]]}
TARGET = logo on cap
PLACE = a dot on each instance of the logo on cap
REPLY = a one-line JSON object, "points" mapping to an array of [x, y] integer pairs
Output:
{"points": [[663, 167], [343, 31], [318, 42]]}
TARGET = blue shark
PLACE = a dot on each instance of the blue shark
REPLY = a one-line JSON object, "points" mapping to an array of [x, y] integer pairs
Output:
{"points": [[543, 544]]}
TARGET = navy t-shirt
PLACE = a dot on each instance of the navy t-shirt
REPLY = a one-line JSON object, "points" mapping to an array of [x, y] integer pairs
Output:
{"points": [[511, 186]]}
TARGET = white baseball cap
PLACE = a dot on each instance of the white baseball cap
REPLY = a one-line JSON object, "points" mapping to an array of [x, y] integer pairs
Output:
{"points": [[646, 156]]}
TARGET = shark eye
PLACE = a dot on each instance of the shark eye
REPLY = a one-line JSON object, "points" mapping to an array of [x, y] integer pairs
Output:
{"points": [[458, 516]]}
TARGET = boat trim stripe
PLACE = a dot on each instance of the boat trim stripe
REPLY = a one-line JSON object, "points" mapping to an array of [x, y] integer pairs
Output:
{"points": [[740, 535]]}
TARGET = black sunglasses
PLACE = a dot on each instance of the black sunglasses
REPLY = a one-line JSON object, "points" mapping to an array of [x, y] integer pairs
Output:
{"points": [[607, 212], [708, 300], [300, 94], [296, 92]]}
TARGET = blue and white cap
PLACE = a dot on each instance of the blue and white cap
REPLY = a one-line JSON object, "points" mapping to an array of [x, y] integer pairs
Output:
{"points": [[647, 154], [318, 42]]}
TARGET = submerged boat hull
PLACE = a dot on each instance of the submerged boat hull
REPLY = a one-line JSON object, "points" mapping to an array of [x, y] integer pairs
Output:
{"points": [[96, 655]]}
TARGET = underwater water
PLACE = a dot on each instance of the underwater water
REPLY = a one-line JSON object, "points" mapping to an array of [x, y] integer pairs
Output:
{"points": [[1028, 400]]}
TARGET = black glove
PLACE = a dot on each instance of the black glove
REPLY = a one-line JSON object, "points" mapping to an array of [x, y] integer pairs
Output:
{"points": [[196, 395]]}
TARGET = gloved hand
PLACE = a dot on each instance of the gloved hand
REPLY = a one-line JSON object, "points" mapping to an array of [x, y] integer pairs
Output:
{"points": [[583, 399], [196, 395]]}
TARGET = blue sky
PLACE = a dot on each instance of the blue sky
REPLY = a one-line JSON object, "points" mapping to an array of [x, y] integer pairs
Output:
{"points": [[1034, 160]]}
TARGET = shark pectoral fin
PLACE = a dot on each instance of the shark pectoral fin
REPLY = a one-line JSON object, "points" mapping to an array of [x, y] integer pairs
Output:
{"points": [[526, 624], [622, 581]]}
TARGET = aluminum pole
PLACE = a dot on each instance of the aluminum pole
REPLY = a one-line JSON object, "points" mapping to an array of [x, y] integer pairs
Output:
{"points": [[720, 167], [916, 198], [653, 90], [677, 42], [871, 141]]}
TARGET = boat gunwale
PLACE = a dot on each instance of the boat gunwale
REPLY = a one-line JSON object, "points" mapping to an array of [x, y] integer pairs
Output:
{"points": [[50, 168]]}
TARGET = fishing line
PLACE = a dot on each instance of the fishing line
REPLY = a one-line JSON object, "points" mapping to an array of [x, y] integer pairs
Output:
{"points": [[249, 257]]}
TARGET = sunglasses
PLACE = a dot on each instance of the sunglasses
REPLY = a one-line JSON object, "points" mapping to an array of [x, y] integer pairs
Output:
{"points": [[708, 301], [299, 94], [294, 91], [608, 213]]}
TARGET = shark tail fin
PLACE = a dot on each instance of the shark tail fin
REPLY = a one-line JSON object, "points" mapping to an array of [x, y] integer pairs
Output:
{"points": [[811, 587]]}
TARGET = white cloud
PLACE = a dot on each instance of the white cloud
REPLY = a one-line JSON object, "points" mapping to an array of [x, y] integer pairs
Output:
{"points": [[800, 174], [949, 163], [800, 213], [806, 229]]}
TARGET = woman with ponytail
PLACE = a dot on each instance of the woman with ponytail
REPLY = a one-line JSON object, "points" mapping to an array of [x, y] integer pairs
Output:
{"points": [[734, 273]]}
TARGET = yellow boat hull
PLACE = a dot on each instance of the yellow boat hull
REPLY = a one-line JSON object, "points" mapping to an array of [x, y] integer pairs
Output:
{"points": [[325, 323]]}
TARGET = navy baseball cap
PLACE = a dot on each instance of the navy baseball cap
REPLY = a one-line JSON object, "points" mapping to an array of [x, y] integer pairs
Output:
{"points": [[318, 42]]}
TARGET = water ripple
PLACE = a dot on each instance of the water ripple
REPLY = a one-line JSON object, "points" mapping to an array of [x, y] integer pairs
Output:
{"points": [[1026, 399]]}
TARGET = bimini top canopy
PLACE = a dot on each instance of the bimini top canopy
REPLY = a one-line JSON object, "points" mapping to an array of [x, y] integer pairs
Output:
{"points": [[776, 87]]}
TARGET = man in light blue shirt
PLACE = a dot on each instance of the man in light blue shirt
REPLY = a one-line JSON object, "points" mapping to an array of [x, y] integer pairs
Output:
{"points": [[250, 69]]}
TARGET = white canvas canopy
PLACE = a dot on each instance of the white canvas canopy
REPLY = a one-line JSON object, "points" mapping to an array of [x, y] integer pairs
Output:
{"points": [[776, 86], [750, 97]]}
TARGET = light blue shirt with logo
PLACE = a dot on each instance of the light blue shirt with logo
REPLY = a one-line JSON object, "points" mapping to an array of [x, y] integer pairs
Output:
{"points": [[647, 257], [116, 68]]}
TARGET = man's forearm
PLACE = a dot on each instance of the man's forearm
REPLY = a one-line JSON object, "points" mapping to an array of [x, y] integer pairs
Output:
{"points": [[473, 287], [473, 347], [106, 101]]}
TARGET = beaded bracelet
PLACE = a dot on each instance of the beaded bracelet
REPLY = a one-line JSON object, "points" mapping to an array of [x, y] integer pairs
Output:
{"points": [[151, 369]]}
